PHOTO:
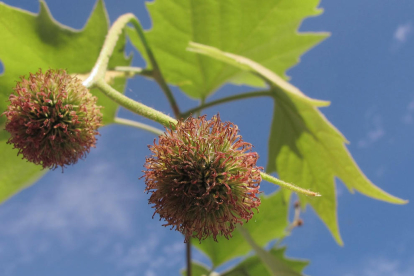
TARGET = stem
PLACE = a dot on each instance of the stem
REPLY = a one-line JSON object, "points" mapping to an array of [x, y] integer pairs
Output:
{"points": [[286, 185], [253, 94], [157, 75], [188, 257], [202, 102], [131, 123], [98, 71], [296, 219], [134, 106], [263, 255], [132, 71], [292, 225]]}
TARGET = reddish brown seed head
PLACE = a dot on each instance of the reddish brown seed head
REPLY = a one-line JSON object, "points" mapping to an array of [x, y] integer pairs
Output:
{"points": [[203, 178], [52, 119]]}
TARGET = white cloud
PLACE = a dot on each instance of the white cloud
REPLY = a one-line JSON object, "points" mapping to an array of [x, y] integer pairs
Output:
{"points": [[384, 267], [94, 213], [401, 35], [154, 252], [79, 207], [408, 116], [403, 32], [375, 129], [78, 204]]}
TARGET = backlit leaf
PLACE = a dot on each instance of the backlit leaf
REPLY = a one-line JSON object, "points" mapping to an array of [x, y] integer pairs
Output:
{"points": [[262, 30]]}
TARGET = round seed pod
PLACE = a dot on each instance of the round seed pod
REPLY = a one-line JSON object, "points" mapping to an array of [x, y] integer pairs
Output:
{"points": [[52, 119], [203, 178]]}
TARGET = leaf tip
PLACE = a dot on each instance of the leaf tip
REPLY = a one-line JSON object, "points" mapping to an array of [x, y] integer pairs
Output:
{"points": [[401, 201], [321, 103]]}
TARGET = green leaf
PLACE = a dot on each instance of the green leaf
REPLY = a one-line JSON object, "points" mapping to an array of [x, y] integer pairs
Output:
{"points": [[270, 223], [32, 41], [197, 269], [264, 31], [15, 173], [253, 266], [304, 147]]}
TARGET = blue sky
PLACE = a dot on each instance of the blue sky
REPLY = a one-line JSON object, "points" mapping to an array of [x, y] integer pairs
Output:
{"points": [[94, 219]]}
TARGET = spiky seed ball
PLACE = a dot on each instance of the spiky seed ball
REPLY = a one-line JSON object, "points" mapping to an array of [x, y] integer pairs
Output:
{"points": [[52, 119], [203, 178]]}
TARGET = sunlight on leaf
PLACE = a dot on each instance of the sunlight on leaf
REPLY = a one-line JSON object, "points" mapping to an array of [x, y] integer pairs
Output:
{"points": [[264, 31]]}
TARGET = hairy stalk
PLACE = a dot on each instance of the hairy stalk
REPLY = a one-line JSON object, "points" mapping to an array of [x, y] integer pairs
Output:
{"points": [[286, 185], [98, 72], [253, 94], [131, 123], [134, 106], [131, 71]]}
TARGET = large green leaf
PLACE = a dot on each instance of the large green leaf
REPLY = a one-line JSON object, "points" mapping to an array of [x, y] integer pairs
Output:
{"points": [[262, 30], [253, 266], [197, 270], [268, 224], [304, 147], [32, 41]]}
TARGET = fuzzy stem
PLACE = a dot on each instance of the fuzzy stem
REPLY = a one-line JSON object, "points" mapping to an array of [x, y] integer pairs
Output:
{"points": [[134, 106], [253, 94], [286, 185], [131, 123], [98, 71], [132, 71]]}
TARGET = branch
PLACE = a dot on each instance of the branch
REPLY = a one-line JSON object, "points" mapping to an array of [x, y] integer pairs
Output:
{"points": [[253, 94]]}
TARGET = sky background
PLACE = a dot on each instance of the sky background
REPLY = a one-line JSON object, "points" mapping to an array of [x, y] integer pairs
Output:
{"points": [[94, 219]]}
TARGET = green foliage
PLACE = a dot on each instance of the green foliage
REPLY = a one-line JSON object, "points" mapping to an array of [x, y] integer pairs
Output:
{"points": [[304, 147], [30, 42], [264, 31], [257, 41], [253, 266], [268, 224], [197, 270], [12, 180]]}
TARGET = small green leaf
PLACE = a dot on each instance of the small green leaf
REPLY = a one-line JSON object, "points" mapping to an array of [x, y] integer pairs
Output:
{"points": [[268, 224], [15, 173], [197, 269], [283, 266], [32, 41], [264, 31], [304, 147]]}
